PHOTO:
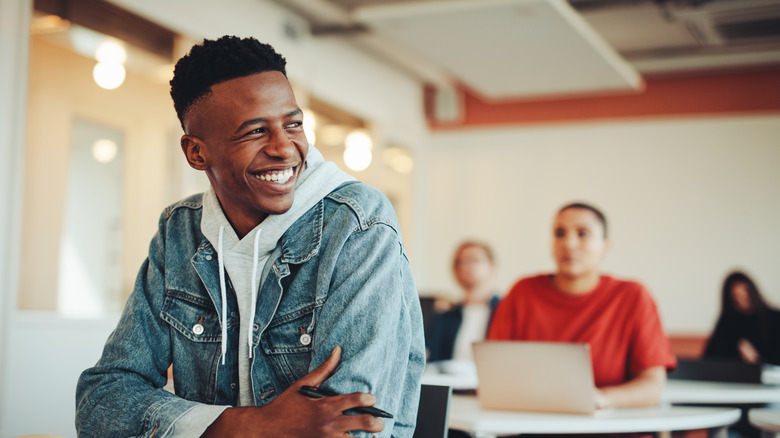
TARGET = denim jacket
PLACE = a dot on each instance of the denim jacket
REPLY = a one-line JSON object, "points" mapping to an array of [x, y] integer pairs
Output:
{"points": [[338, 276]]}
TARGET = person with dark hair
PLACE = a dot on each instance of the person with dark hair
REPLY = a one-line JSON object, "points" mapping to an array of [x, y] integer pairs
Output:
{"points": [[748, 329], [619, 319], [454, 330], [286, 273]]}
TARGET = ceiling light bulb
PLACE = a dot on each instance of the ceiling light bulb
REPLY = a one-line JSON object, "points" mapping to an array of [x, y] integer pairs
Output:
{"points": [[111, 52], [108, 75], [358, 138], [104, 150], [358, 157], [309, 126]]}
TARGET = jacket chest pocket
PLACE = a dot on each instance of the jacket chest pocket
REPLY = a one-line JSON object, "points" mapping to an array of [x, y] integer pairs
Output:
{"points": [[291, 332], [192, 316], [196, 334]]}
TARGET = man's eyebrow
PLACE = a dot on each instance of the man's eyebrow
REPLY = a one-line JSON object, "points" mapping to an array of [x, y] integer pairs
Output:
{"points": [[250, 122], [258, 120]]}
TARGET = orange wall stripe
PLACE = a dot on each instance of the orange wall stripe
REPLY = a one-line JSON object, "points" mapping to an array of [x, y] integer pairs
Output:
{"points": [[745, 92]]}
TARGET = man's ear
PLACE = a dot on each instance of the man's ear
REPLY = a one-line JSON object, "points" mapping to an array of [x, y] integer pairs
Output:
{"points": [[607, 248], [193, 150]]}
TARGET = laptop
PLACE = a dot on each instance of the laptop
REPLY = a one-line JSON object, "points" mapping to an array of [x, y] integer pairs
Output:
{"points": [[535, 376], [717, 370]]}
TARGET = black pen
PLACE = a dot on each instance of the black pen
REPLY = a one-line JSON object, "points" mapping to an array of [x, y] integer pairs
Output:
{"points": [[315, 392]]}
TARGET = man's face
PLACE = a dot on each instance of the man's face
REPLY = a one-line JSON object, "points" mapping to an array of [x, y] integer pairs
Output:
{"points": [[249, 133], [578, 242]]}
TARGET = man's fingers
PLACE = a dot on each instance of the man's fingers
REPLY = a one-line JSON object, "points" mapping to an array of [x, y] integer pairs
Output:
{"points": [[354, 400], [364, 422], [322, 372]]}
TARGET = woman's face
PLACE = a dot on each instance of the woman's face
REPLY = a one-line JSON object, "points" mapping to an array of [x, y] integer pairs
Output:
{"points": [[579, 244], [740, 298], [472, 267]]}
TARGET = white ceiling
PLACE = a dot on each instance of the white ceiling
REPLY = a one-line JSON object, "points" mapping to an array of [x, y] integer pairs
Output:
{"points": [[505, 48], [510, 49]]}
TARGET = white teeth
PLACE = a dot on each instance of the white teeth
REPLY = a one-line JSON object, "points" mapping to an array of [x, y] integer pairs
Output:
{"points": [[278, 177]]}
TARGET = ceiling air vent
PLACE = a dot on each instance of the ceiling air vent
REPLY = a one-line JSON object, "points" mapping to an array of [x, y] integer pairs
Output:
{"points": [[755, 31], [727, 22]]}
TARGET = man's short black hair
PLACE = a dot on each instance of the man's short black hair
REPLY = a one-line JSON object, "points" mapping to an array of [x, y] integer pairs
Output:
{"points": [[592, 209], [217, 61]]}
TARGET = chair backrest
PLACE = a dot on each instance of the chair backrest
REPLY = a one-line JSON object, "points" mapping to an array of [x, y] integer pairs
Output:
{"points": [[427, 305], [717, 371], [433, 412]]}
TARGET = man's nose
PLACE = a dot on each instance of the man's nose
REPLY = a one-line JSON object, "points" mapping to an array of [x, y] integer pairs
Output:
{"points": [[280, 145], [570, 240]]}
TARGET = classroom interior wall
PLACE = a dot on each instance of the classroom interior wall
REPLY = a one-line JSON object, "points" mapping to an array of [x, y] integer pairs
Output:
{"points": [[687, 200]]}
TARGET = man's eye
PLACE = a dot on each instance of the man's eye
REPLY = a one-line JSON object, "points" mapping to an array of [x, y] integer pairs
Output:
{"points": [[294, 125], [256, 131]]}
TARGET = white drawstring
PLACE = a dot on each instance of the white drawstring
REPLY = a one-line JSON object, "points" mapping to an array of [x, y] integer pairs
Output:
{"points": [[253, 293], [223, 290]]}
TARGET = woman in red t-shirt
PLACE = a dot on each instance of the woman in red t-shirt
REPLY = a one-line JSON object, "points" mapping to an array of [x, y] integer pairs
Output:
{"points": [[618, 318]]}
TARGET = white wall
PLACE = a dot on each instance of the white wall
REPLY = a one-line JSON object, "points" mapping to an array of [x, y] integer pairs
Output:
{"points": [[687, 200], [14, 28], [47, 355]]}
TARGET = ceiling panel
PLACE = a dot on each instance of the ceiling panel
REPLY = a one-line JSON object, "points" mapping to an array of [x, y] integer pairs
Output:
{"points": [[506, 48]]}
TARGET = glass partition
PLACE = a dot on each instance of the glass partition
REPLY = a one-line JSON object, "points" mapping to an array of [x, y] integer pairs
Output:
{"points": [[90, 271]]}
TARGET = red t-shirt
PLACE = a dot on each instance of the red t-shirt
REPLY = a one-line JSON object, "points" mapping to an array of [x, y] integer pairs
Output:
{"points": [[618, 319]]}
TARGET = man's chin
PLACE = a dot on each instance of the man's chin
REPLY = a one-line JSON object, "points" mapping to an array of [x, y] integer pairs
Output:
{"points": [[277, 209]]}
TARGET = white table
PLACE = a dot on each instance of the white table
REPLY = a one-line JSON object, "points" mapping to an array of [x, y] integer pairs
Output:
{"points": [[466, 414], [676, 390], [741, 395], [768, 420], [711, 393]]}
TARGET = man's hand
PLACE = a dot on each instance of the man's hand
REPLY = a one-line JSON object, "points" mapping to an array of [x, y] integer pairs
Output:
{"points": [[294, 415], [643, 390]]}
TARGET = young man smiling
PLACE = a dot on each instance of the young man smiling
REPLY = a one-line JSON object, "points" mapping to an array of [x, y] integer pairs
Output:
{"points": [[286, 273]]}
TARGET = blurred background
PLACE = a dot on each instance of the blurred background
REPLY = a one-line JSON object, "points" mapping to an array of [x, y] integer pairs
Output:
{"points": [[477, 118]]}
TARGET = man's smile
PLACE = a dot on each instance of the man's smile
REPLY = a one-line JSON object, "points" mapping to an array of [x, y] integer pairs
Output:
{"points": [[279, 176]]}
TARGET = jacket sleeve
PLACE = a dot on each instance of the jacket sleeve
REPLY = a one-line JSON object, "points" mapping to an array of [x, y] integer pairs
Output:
{"points": [[373, 311], [123, 395]]}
